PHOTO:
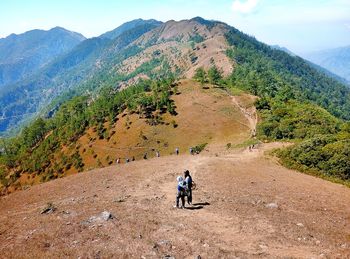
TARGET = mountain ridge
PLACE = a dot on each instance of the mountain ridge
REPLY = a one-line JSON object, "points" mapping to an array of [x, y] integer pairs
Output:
{"points": [[152, 51], [336, 60], [24, 54]]}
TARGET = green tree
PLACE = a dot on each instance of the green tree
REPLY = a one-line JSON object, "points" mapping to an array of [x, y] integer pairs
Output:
{"points": [[214, 75], [200, 75]]}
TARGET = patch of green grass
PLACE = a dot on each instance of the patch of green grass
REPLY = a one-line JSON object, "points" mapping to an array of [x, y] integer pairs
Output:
{"points": [[247, 143], [235, 91], [199, 148]]}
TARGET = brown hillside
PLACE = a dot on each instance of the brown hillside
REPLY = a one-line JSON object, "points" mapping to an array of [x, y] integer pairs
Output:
{"points": [[204, 116], [172, 42]]}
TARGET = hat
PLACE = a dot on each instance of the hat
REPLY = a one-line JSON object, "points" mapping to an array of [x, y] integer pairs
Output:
{"points": [[179, 179]]}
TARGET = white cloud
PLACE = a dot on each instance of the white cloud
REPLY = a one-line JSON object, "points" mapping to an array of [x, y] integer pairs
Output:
{"points": [[245, 6]]}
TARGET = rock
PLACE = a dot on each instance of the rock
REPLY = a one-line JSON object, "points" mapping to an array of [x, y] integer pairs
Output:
{"points": [[198, 257], [318, 242], [164, 242], [271, 205], [168, 257], [300, 224], [105, 215], [50, 208]]}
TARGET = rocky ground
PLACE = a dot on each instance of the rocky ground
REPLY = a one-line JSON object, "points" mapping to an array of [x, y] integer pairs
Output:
{"points": [[245, 206]]}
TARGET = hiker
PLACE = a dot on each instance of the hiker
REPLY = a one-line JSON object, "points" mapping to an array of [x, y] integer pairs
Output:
{"points": [[145, 156], [180, 192], [157, 154], [127, 160], [191, 151], [189, 184], [118, 160], [177, 151]]}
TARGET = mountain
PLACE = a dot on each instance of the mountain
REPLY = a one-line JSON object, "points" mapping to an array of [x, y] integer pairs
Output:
{"points": [[128, 26], [21, 101], [278, 47], [335, 60], [22, 55], [173, 48]]}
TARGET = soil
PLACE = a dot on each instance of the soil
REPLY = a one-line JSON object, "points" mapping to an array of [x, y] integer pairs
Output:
{"points": [[245, 206]]}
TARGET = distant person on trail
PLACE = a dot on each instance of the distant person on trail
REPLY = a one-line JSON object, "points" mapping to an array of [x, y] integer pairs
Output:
{"points": [[177, 151], [191, 151], [133, 158], [118, 161], [180, 192], [127, 160], [145, 156], [189, 185], [157, 154]]}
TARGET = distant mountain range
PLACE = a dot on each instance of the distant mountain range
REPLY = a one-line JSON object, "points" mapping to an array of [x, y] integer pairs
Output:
{"points": [[335, 60], [23, 54], [137, 50]]}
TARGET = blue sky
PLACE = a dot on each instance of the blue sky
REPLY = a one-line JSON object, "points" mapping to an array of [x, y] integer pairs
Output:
{"points": [[300, 25]]}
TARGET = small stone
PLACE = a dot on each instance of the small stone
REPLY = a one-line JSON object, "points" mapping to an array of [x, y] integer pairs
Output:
{"points": [[105, 215], [168, 257], [300, 224], [198, 257], [318, 242], [271, 205]]}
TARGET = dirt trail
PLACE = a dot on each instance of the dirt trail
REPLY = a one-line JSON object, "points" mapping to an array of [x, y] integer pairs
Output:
{"points": [[249, 111], [245, 206]]}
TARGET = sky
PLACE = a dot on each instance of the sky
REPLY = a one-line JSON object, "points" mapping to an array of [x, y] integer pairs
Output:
{"points": [[300, 25]]}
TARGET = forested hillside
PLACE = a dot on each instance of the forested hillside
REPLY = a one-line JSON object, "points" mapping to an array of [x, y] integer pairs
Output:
{"points": [[36, 150], [61, 75]]}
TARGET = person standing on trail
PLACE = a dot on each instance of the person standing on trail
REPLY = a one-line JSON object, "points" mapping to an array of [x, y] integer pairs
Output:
{"points": [[133, 158], [145, 156], [180, 192], [118, 160], [177, 151], [127, 160], [191, 151], [189, 185], [157, 154]]}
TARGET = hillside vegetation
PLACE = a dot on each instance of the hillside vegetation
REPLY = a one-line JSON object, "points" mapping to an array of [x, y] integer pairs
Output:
{"points": [[24, 54], [88, 132], [296, 102]]}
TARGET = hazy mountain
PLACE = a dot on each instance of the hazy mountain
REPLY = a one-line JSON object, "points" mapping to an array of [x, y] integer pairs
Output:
{"points": [[128, 26], [278, 47], [23, 54], [335, 60], [22, 100]]}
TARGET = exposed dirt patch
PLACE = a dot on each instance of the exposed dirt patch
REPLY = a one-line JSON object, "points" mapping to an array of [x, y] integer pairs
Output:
{"points": [[245, 206]]}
